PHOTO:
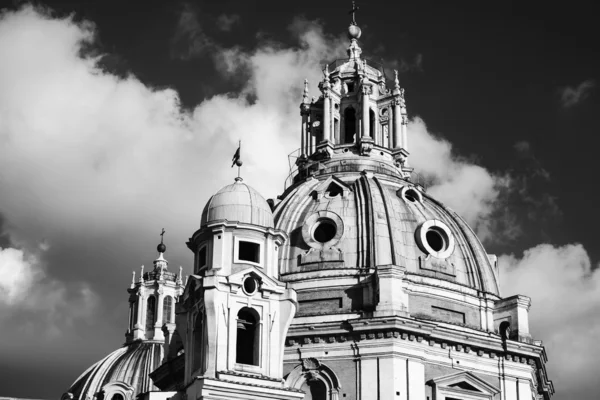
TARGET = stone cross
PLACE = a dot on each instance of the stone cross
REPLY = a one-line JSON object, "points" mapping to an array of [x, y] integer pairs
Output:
{"points": [[353, 12]]}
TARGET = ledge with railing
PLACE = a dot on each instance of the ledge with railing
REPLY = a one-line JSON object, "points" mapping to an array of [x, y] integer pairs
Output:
{"points": [[413, 177]]}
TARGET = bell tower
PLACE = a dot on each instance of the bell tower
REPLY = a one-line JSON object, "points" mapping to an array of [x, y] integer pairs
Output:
{"points": [[152, 300], [234, 314]]}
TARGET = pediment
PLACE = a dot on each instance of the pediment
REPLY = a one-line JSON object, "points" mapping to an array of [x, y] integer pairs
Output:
{"points": [[266, 284], [464, 383], [331, 188]]}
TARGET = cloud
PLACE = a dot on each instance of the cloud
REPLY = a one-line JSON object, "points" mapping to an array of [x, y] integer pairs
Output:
{"points": [[93, 164], [225, 22], [18, 273], [50, 305], [189, 40], [469, 189], [571, 96], [565, 293]]}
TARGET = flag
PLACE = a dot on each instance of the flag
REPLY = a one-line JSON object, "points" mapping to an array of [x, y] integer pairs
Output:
{"points": [[236, 158]]}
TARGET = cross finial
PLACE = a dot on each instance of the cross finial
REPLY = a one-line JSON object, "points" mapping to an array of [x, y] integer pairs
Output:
{"points": [[161, 235], [353, 12]]}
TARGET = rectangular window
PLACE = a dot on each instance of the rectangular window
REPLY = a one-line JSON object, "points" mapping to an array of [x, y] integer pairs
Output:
{"points": [[249, 251], [202, 258]]}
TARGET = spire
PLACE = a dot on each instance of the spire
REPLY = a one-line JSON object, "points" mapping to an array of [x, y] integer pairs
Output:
{"points": [[354, 33], [180, 276], [305, 98], [160, 263], [132, 280]]}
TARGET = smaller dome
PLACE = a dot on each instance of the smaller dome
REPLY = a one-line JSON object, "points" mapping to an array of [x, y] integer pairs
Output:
{"points": [[238, 202], [130, 365]]}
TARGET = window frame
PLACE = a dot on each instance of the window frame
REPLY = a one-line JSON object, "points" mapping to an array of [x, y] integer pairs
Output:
{"points": [[236, 251], [204, 267]]}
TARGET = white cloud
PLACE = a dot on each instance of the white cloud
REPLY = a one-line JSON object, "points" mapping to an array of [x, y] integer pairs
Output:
{"points": [[26, 289], [565, 293], [469, 189], [87, 156], [573, 95], [18, 273]]}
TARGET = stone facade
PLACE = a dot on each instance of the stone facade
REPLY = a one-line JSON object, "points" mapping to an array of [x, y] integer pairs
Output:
{"points": [[354, 284]]}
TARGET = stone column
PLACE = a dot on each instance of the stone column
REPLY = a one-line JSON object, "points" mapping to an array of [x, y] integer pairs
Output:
{"points": [[397, 123], [139, 328], [303, 134], [404, 132], [326, 116], [158, 333], [365, 112]]}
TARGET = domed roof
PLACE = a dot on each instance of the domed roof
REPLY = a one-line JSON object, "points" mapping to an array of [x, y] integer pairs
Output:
{"points": [[238, 202], [374, 219], [130, 364]]}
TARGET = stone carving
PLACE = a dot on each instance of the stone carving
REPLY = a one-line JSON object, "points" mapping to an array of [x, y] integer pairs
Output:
{"points": [[365, 147], [311, 363]]}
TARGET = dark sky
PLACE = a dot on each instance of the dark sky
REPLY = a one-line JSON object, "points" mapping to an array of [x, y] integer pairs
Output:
{"points": [[512, 85]]}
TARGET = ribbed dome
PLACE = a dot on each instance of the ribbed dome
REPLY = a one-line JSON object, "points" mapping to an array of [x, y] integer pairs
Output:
{"points": [[377, 220], [130, 364], [238, 202]]}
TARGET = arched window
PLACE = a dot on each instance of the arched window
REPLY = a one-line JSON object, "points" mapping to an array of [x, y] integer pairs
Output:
{"points": [[349, 125], [316, 380], [150, 313], [134, 314], [315, 389], [372, 126], [248, 337], [198, 341], [117, 396], [167, 309]]}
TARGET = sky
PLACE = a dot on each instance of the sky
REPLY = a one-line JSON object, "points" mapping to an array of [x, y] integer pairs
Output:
{"points": [[119, 119]]}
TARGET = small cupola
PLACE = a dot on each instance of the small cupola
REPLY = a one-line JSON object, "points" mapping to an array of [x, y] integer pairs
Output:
{"points": [[238, 202]]}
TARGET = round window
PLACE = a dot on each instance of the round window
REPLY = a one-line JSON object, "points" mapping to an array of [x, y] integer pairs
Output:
{"points": [[250, 285], [410, 194], [434, 237], [324, 230]]}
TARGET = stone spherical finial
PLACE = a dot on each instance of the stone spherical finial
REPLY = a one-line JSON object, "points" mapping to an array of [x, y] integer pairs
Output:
{"points": [[354, 31], [161, 248]]}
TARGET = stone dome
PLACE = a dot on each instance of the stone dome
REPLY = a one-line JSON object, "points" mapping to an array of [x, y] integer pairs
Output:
{"points": [[238, 202], [345, 223], [129, 365]]}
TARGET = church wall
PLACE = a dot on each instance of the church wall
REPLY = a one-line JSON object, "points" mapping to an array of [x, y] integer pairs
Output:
{"points": [[331, 301], [444, 310]]}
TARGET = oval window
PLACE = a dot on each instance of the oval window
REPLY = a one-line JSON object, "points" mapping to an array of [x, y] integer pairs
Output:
{"points": [[250, 285], [435, 238], [324, 230]]}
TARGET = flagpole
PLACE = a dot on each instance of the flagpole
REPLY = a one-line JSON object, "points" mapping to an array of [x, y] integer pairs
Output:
{"points": [[240, 147]]}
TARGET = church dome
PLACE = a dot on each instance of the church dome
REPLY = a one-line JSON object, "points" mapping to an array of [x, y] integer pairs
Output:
{"points": [[129, 365], [346, 223], [238, 202]]}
